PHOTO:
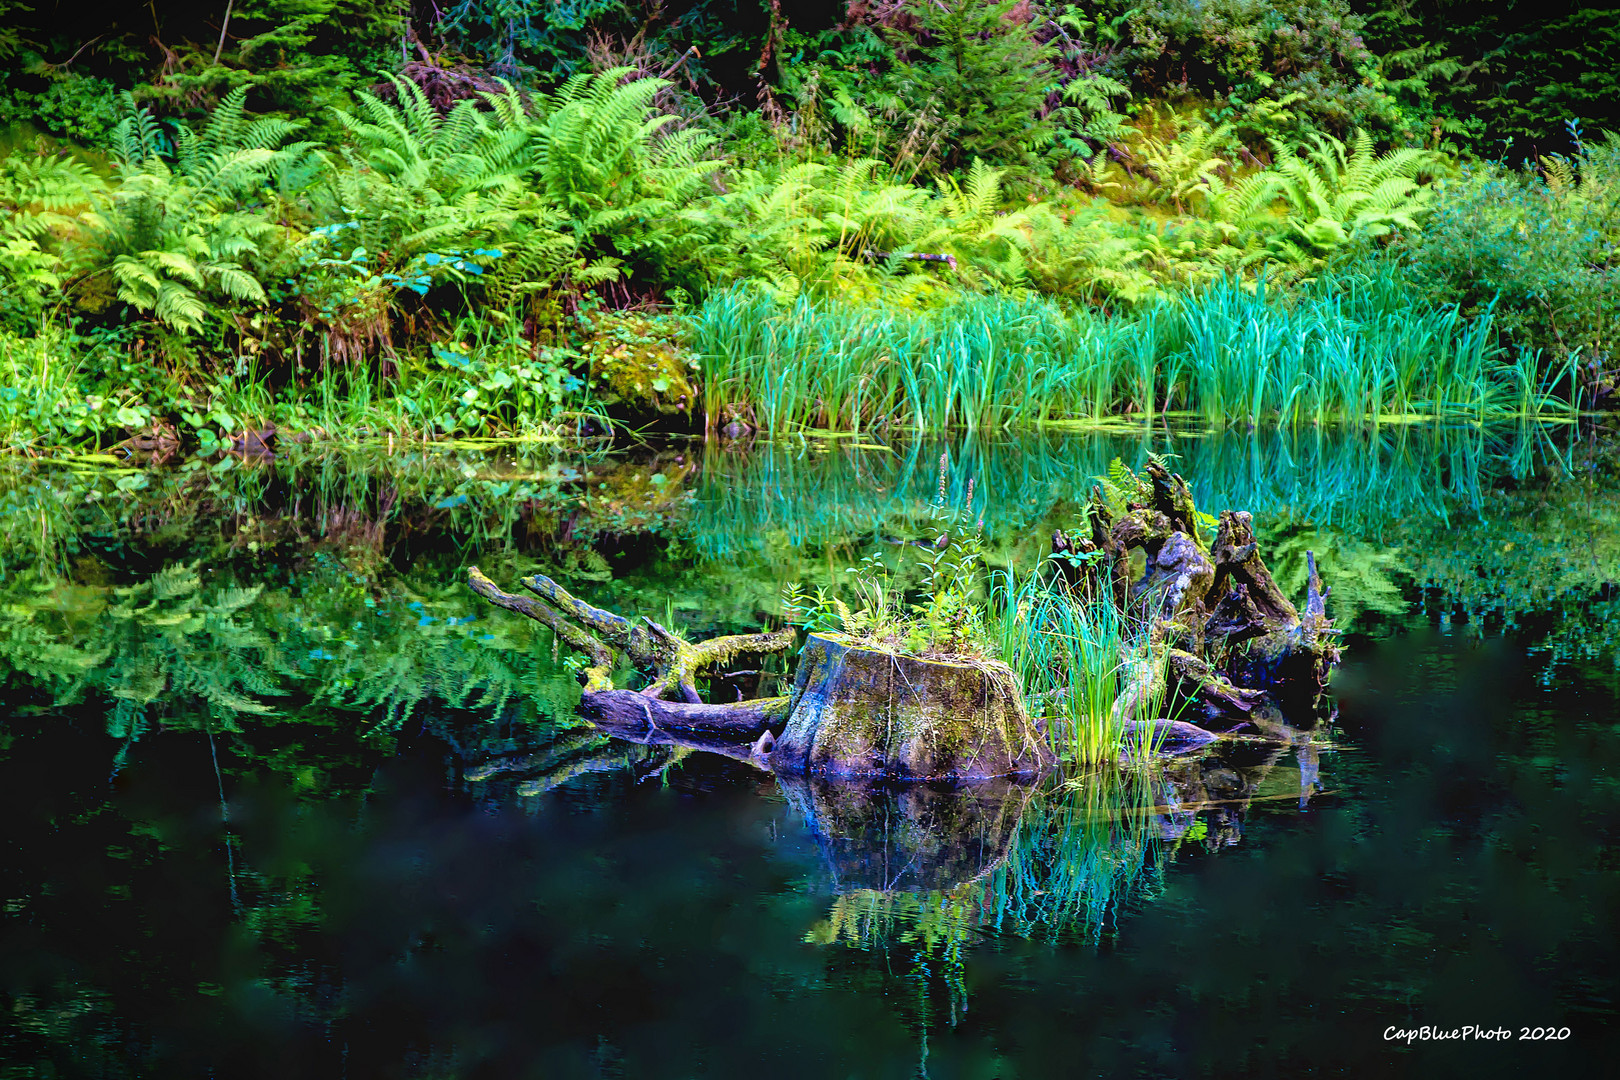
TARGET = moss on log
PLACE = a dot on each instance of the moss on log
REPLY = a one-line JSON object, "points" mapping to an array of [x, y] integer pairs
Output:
{"points": [[858, 711]]}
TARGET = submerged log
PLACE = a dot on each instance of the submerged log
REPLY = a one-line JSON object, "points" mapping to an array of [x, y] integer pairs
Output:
{"points": [[1169, 738], [736, 721]]}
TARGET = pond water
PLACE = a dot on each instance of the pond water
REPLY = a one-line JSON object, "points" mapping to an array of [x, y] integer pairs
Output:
{"points": [[281, 798]]}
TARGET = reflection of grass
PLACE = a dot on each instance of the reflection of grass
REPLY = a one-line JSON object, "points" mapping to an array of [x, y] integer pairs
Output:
{"points": [[799, 494], [1084, 850]]}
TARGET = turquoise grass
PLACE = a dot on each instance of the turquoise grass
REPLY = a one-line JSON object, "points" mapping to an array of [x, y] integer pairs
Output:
{"points": [[1350, 348]]}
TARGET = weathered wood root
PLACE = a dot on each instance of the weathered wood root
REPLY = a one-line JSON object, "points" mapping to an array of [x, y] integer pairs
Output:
{"points": [[1215, 702], [1221, 635], [737, 721], [674, 663]]}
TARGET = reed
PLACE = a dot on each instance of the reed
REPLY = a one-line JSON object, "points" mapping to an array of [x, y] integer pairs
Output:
{"points": [[1352, 347], [1067, 648]]}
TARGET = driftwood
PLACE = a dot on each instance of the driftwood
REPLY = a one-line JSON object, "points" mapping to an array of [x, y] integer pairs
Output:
{"points": [[1220, 632], [670, 701]]}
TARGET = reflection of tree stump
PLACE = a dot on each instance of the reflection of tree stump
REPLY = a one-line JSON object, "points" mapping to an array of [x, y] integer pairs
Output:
{"points": [[913, 837], [859, 711]]}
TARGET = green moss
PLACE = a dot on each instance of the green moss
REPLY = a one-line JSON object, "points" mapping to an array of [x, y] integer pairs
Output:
{"points": [[633, 362], [858, 711]]}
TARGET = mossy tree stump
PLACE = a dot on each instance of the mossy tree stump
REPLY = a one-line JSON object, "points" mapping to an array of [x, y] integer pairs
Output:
{"points": [[854, 712], [858, 711]]}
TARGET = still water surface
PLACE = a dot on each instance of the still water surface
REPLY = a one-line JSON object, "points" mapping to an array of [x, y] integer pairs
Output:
{"points": [[280, 800]]}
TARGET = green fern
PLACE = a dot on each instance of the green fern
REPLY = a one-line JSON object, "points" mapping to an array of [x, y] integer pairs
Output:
{"points": [[626, 178], [1339, 193], [1184, 165], [973, 226], [41, 200], [178, 236]]}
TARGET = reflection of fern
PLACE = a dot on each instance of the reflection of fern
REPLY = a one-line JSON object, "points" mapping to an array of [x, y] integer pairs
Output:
{"points": [[176, 650], [169, 639], [1365, 577]]}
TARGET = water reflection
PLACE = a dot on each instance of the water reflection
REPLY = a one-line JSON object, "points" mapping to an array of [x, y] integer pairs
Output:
{"points": [[280, 799]]}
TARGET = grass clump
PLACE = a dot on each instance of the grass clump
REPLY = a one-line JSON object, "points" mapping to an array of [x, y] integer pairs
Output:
{"points": [[1353, 347], [1071, 647]]}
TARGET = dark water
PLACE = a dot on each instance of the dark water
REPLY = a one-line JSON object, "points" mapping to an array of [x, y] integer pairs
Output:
{"points": [[280, 801]]}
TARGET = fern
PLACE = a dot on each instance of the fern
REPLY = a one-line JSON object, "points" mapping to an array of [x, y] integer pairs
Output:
{"points": [[177, 235], [627, 182], [1121, 486], [1185, 164], [1339, 193], [41, 199], [569, 184]]}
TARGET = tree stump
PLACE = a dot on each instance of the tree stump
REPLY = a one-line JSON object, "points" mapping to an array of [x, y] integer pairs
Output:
{"points": [[865, 712], [854, 711]]}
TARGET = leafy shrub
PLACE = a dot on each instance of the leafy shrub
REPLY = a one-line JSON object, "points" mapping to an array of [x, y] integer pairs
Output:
{"points": [[1246, 51], [1504, 75], [84, 108], [299, 56], [1541, 246]]}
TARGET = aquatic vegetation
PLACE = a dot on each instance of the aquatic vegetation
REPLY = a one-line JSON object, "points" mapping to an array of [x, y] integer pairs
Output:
{"points": [[1352, 348], [1069, 651]]}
